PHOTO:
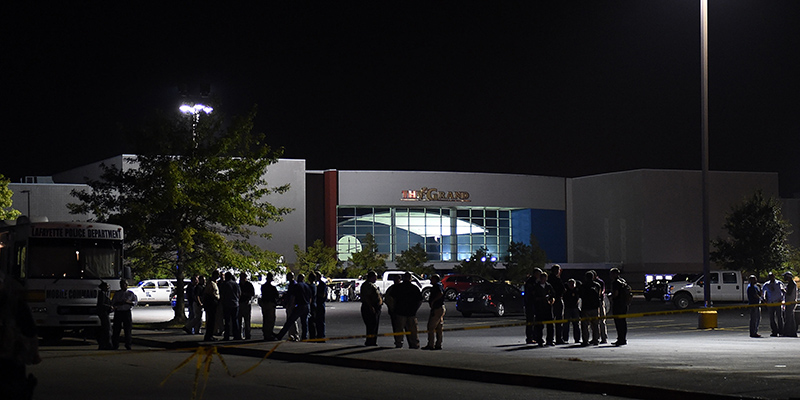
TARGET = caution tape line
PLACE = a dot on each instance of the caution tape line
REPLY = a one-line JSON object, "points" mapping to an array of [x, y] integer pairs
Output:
{"points": [[559, 321]]}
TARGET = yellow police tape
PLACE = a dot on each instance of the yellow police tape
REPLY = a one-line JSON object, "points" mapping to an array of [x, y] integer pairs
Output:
{"points": [[205, 354]]}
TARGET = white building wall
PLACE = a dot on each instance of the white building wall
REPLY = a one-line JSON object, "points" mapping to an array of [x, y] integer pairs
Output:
{"points": [[651, 220], [385, 188], [52, 199]]}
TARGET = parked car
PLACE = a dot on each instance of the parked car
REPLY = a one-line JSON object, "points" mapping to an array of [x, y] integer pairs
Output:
{"points": [[655, 289], [154, 291], [456, 283], [492, 298]]}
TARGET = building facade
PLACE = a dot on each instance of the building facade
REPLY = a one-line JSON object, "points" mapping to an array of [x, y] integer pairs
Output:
{"points": [[648, 221]]}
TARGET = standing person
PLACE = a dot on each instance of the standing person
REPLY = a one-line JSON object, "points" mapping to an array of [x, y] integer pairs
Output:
{"points": [[301, 294], [571, 312], [230, 293], [312, 305], [288, 307], [620, 297], [773, 294], [322, 296], [590, 308], [245, 309], [407, 299], [530, 309], [210, 302], [436, 317], [103, 310], [268, 303], [124, 301], [558, 300], [189, 296], [754, 297], [389, 299], [603, 309], [789, 324], [18, 341], [219, 323], [371, 302], [194, 324], [543, 299]]}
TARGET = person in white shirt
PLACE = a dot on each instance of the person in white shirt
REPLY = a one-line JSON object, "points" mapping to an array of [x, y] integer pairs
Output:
{"points": [[124, 300], [773, 294]]}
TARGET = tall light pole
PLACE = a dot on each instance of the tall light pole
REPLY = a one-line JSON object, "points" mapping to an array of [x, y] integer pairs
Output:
{"points": [[195, 112], [704, 105]]}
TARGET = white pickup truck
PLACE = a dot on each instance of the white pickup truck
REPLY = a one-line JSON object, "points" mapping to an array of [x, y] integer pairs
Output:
{"points": [[725, 286], [424, 285]]}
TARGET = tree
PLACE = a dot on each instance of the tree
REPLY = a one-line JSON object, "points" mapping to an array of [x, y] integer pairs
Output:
{"points": [[522, 259], [6, 212], [367, 259], [318, 257], [414, 260], [480, 263], [756, 241], [191, 198]]}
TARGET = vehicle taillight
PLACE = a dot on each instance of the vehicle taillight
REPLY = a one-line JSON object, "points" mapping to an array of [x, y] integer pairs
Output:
{"points": [[487, 297]]}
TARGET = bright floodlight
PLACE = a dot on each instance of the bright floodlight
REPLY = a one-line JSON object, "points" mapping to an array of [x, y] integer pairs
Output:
{"points": [[196, 109]]}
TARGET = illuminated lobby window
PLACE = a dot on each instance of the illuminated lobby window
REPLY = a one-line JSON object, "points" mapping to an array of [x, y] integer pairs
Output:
{"points": [[446, 234]]}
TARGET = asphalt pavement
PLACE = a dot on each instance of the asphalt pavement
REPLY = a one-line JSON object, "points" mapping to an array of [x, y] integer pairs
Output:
{"points": [[691, 363]]}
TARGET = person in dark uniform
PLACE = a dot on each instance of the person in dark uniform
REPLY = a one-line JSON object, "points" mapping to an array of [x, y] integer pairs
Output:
{"points": [[268, 303], [301, 293], [754, 297], [245, 309], [543, 299], [312, 305], [620, 294], [322, 297], [189, 296], [18, 341], [210, 303], [103, 310], [590, 308], [230, 293], [571, 312], [407, 300], [554, 279], [391, 301], [530, 311], [436, 318], [371, 302]]}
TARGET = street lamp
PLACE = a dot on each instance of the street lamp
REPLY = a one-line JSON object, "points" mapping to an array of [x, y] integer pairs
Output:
{"points": [[195, 111], [704, 139]]}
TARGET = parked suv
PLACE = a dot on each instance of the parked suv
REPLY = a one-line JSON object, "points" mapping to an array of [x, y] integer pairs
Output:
{"points": [[456, 283]]}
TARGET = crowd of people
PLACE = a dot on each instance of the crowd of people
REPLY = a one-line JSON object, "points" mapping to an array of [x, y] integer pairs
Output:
{"points": [[780, 299], [583, 304], [228, 310]]}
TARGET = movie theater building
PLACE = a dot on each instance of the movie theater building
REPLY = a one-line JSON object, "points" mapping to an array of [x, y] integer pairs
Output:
{"points": [[648, 221], [450, 214]]}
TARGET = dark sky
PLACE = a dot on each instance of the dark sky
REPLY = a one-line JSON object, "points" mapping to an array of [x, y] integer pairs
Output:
{"points": [[559, 88]]}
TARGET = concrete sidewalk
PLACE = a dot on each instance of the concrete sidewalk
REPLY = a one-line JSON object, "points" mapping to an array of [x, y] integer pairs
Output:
{"points": [[705, 364]]}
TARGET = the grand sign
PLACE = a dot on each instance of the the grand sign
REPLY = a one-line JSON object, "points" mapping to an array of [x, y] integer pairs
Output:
{"points": [[434, 194]]}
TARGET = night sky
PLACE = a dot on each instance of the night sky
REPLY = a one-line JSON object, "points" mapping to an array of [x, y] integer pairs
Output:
{"points": [[557, 88]]}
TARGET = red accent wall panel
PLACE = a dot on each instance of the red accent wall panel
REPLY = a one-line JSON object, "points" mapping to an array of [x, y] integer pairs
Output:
{"points": [[331, 188]]}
